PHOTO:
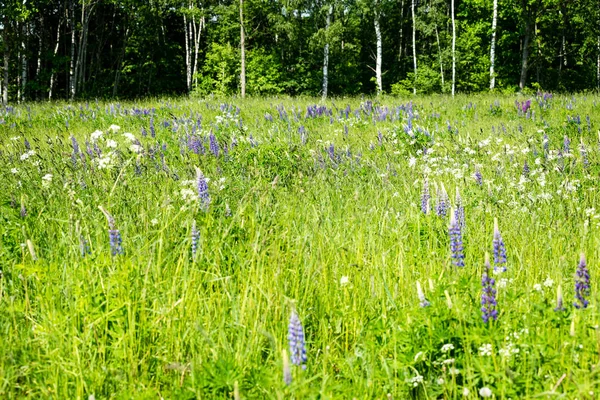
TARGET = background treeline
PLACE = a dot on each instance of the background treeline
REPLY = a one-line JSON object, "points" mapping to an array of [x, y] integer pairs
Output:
{"points": [[126, 48]]}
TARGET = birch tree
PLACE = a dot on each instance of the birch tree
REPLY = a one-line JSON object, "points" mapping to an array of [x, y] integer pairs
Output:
{"points": [[453, 48], [326, 51], [414, 44], [379, 46], [243, 51], [493, 45]]}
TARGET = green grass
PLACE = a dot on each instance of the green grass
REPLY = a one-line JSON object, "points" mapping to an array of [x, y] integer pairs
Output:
{"points": [[157, 322]]}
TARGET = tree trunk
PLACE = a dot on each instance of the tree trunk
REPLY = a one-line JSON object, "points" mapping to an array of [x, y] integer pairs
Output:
{"points": [[493, 46], [598, 66], [71, 13], [437, 38], [197, 34], [401, 31], [414, 44], [56, 46], [453, 49], [379, 51], [326, 52], [24, 62], [6, 61], [188, 63], [525, 58], [243, 50]]}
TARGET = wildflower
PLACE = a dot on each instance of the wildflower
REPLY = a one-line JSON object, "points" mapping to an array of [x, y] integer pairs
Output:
{"points": [[296, 341], [566, 145], [456, 242], [202, 186], [425, 197], [559, 299], [582, 284], [526, 169], [423, 302], [344, 280], [287, 372], [214, 145], [485, 392], [46, 180], [447, 347], [442, 203], [478, 177], [584, 157], [114, 128], [466, 392], [415, 380], [488, 294], [113, 234], [460, 210], [485, 350], [499, 250]]}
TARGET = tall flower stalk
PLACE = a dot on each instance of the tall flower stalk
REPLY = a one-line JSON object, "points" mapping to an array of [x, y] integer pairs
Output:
{"points": [[425, 197], [456, 242], [488, 294], [116, 243], [499, 250], [582, 284], [202, 186], [296, 341]]}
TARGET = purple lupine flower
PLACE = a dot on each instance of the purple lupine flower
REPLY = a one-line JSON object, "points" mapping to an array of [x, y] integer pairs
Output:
{"points": [[425, 197], [456, 242], [582, 284], [559, 299], [152, 130], [566, 145], [488, 294], [380, 138], [84, 248], [546, 144], [477, 175], [214, 145], [202, 186], [331, 152], [23, 212], [441, 208], [584, 157], [423, 302], [195, 239], [526, 169], [27, 145], [499, 250], [459, 212], [296, 341], [115, 242], [227, 210]]}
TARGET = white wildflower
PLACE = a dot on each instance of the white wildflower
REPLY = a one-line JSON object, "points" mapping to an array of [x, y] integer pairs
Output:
{"points": [[46, 180], [485, 350], [114, 128], [344, 280], [111, 143], [485, 392], [447, 347]]}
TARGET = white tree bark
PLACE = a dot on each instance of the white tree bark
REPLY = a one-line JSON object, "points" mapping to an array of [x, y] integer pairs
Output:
{"points": [[188, 63], [197, 34], [326, 52], [6, 61], [493, 46], [414, 44], [243, 51], [453, 50], [24, 63], [379, 50], [598, 65]]}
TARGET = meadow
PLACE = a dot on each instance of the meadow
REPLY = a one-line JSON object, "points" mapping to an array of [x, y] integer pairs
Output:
{"points": [[292, 248]]}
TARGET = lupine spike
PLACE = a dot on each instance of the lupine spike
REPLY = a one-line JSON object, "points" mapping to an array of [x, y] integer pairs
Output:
{"points": [[584, 157], [460, 210], [296, 341], [202, 186], [442, 201], [499, 250], [195, 239], [559, 299], [488, 294], [287, 372], [478, 177], [423, 302], [425, 197], [456, 242], [582, 284], [114, 235]]}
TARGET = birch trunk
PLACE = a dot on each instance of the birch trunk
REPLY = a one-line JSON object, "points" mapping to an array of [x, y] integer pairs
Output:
{"points": [[493, 46], [414, 44], [598, 66], [197, 34], [243, 50], [326, 52], [401, 31], [379, 51], [188, 64], [453, 50]]}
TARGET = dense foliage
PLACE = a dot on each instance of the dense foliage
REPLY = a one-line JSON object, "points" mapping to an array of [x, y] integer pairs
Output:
{"points": [[212, 248], [127, 48]]}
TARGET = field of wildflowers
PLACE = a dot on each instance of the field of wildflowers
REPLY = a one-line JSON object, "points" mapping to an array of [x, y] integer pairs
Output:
{"points": [[286, 248]]}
